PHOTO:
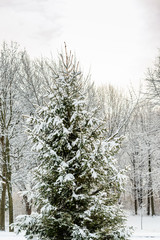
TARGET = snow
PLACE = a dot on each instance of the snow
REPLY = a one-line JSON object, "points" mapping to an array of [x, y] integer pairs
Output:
{"points": [[11, 236], [66, 178], [69, 177], [150, 227], [94, 174]]}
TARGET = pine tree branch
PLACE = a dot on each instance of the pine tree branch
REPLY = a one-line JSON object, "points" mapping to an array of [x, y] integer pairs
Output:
{"points": [[97, 191]]}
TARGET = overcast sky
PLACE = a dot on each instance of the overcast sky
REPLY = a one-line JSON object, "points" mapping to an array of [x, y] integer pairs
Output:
{"points": [[117, 40]]}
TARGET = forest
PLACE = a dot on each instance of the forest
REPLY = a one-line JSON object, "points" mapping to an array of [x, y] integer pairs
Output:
{"points": [[36, 102]]}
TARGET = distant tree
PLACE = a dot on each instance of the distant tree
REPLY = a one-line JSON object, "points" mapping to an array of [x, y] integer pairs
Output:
{"points": [[19, 93], [153, 82], [9, 118], [116, 109], [77, 182], [30, 94], [142, 147]]}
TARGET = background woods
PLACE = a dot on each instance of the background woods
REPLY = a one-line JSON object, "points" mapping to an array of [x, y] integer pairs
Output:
{"points": [[27, 84]]}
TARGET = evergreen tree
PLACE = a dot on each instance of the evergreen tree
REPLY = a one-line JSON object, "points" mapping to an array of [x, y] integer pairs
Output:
{"points": [[78, 184]]}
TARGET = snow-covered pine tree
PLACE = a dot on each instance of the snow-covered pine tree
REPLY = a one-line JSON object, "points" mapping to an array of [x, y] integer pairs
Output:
{"points": [[78, 184]]}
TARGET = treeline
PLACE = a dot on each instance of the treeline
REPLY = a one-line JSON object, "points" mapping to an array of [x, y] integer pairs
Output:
{"points": [[26, 84]]}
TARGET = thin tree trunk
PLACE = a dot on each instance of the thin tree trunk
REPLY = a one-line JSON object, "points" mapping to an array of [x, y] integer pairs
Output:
{"points": [[135, 187], [141, 191], [3, 195], [3, 201], [152, 204], [135, 198], [10, 200], [27, 205], [151, 195], [9, 185], [135, 204], [148, 203]]}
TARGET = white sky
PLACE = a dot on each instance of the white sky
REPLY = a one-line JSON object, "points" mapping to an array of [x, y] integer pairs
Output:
{"points": [[117, 40]]}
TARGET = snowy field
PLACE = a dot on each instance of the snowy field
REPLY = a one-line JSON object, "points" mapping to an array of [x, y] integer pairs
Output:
{"points": [[10, 236], [150, 229]]}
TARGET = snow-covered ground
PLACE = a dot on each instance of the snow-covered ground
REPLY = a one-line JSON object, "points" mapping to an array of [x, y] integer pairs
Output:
{"points": [[11, 236], [150, 229], [146, 228]]}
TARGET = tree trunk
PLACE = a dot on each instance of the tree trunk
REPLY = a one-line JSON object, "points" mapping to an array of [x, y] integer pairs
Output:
{"points": [[135, 205], [10, 199], [27, 205], [135, 187], [152, 204], [150, 185], [3, 195], [148, 203], [140, 191], [3, 202], [135, 198], [9, 185]]}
